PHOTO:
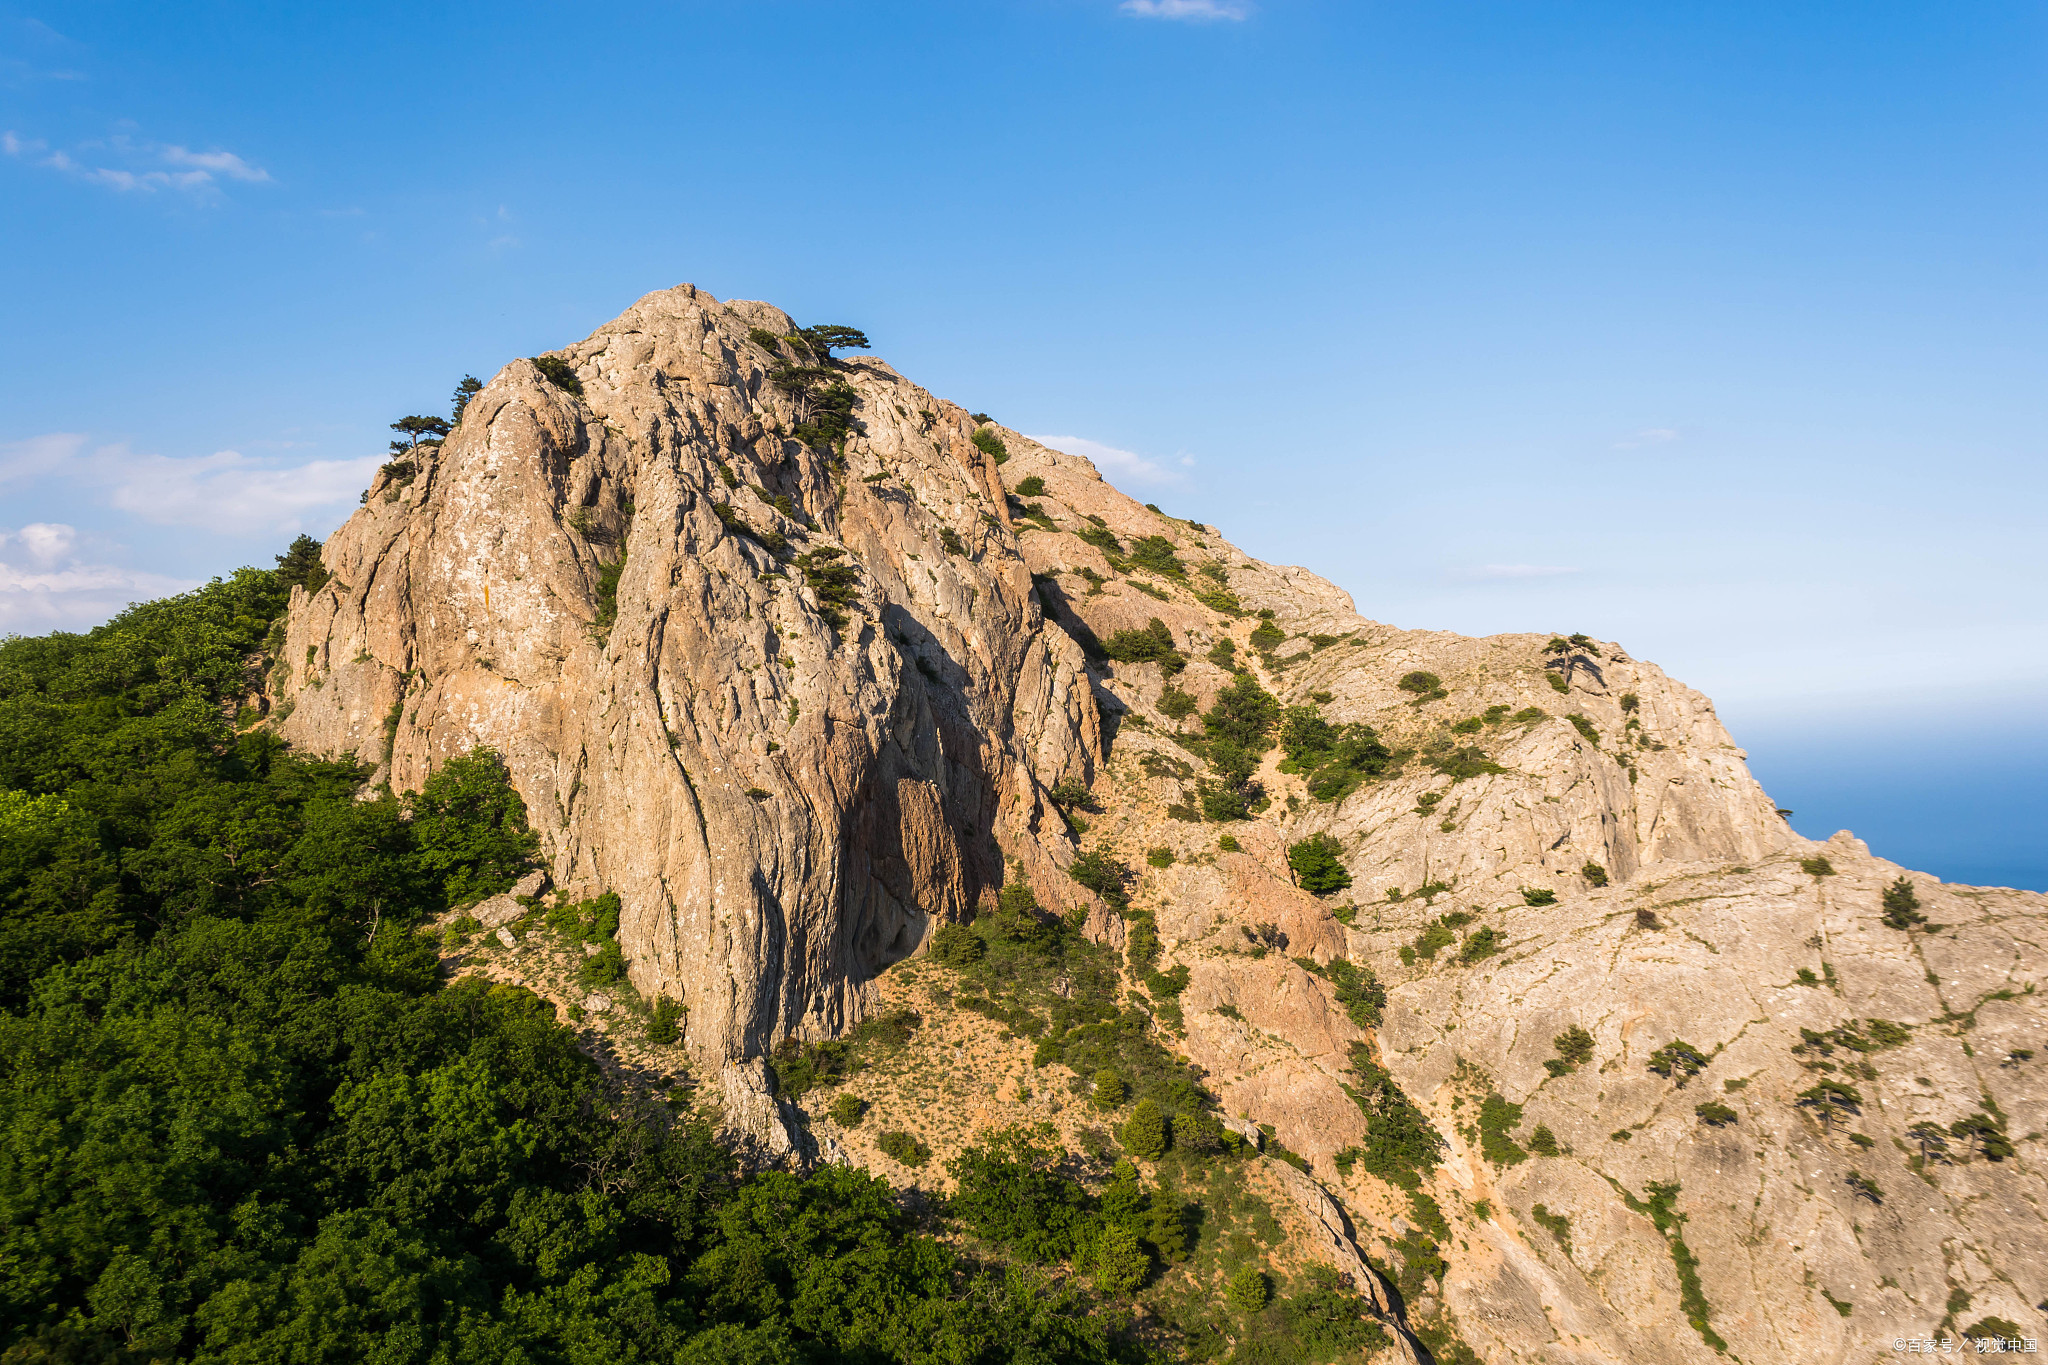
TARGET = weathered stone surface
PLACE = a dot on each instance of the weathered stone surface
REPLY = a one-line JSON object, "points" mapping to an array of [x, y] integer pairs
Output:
{"points": [[786, 808]]}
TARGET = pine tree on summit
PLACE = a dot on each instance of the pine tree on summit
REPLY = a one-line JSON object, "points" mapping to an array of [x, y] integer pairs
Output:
{"points": [[416, 427], [469, 388]]}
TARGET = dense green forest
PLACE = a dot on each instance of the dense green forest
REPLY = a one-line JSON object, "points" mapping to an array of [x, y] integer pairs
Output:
{"points": [[242, 1118]]}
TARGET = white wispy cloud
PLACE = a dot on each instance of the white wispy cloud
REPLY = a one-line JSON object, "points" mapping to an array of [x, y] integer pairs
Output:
{"points": [[256, 494], [1192, 11], [44, 586], [1114, 463], [1649, 436], [145, 166], [1482, 572], [230, 487], [38, 455]]}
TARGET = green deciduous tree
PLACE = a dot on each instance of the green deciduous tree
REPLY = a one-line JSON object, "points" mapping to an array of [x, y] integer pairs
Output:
{"points": [[1318, 865]]}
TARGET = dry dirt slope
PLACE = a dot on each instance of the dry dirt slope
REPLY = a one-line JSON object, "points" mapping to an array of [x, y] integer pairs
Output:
{"points": [[788, 807]]}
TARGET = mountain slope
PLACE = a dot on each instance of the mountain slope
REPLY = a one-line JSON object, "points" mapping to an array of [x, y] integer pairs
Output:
{"points": [[793, 775]]}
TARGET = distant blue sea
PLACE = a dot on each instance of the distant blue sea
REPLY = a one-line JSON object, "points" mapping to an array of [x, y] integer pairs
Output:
{"points": [[1967, 802]]}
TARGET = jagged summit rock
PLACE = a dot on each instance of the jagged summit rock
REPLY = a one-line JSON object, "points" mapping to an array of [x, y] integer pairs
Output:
{"points": [[798, 702]]}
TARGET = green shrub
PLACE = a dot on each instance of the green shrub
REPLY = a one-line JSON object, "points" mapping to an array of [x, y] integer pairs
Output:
{"points": [[848, 1110], [836, 585], [1528, 715], [1228, 844], [1543, 1142], [1156, 553], [904, 1148], [1574, 1048], [1031, 487], [1120, 1261], [1594, 873], [1986, 1130], [1073, 794], [1677, 1060], [956, 946], [1538, 895], [1159, 857], [1585, 728], [1105, 876], [1817, 867], [1358, 991], [1481, 944], [1153, 644], [1902, 905], [1145, 1133], [1244, 715], [1175, 704], [990, 444], [1223, 654], [664, 1025], [1994, 1330], [1108, 1090], [559, 372], [1334, 759], [1248, 1291], [950, 540], [1557, 682], [1422, 684], [1497, 1121], [1715, 1114], [1461, 762], [1266, 637], [1104, 540], [1318, 866], [1556, 1224]]}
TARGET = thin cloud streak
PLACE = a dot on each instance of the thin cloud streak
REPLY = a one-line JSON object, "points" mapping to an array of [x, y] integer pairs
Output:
{"points": [[194, 172], [1127, 464], [1652, 436], [1188, 11], [1496, 572]]}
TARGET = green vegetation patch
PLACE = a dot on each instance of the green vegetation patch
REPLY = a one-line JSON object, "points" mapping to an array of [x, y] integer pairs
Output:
{"points": [[1334, 759]]}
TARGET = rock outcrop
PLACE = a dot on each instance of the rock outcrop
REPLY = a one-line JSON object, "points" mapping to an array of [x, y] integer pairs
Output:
{"points": [[791, 775]]}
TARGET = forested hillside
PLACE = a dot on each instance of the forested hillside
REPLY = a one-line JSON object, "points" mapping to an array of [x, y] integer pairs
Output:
{"points": [[243, 1119]]}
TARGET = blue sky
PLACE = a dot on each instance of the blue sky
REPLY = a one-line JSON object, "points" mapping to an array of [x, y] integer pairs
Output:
{"points": [[1715, 329]]}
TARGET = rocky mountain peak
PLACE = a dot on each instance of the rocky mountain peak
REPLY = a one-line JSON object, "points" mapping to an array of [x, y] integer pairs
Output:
{"points": [[804, 662]]}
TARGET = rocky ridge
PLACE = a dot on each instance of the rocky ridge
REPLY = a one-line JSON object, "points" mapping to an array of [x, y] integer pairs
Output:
{"points": [[792, 778]]}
